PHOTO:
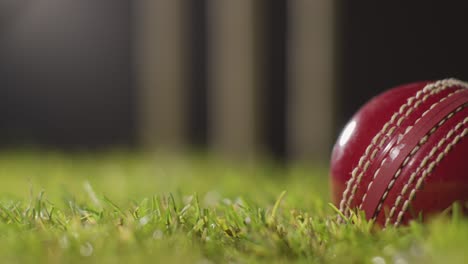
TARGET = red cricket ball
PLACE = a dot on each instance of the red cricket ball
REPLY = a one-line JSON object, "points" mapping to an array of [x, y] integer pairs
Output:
{"points": [[404, 153]]}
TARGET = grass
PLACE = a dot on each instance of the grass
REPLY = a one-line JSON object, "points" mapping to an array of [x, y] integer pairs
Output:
{"points": [[121, 208]]}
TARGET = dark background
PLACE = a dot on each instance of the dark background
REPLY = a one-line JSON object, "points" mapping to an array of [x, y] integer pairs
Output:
{"points": [[385, 43], [65, 74], [71, 85]]}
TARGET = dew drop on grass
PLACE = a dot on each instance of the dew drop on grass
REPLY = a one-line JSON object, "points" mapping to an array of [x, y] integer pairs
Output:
{"points": [[158, 234], [211, 198], [64, 242], [378, 260], [144, 220], [86, 249], [239, 201], [399, 260], [227, 201]]}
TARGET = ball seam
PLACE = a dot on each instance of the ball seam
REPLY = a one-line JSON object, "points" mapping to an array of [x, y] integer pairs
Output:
{"points": [[412, 153], [421, 166], [364, 160], [427, 171], [346, 201]]}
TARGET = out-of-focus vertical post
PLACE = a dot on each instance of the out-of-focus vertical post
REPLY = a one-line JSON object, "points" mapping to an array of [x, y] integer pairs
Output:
{"points": [[311, 78], [233, 77], [160, 72]]}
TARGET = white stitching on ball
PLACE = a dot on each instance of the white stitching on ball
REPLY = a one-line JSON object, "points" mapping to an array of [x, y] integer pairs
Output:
{"points": [[423, 140], [428, 171], [433, 88]]}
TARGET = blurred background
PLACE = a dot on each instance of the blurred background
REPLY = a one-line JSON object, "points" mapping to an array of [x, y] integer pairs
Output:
{"points": [[238, 78]]}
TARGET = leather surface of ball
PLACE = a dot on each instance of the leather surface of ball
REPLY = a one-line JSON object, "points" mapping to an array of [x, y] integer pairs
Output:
{"points": [[404, 154]]}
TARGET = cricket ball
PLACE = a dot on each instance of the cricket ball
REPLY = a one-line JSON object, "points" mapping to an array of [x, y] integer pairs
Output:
{"points": [[404, 154]]}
